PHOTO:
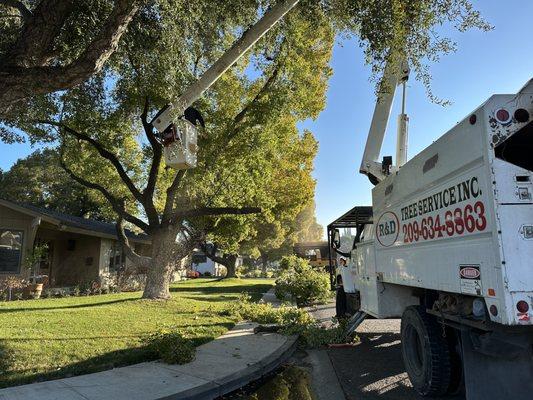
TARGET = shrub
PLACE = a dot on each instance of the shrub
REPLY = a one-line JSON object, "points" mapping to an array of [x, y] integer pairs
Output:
{"points": [[75, 291], [301, 283], [171, 346], [10, 285], [292, 321]]}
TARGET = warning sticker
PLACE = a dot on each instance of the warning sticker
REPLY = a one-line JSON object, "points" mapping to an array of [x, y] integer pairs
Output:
{"points": [[470, 279]]}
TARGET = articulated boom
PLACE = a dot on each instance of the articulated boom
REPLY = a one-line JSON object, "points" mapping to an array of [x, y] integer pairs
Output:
{"points": [[371, 166]]}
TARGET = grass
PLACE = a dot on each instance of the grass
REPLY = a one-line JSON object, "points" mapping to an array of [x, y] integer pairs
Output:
{"points": [[54, 338]]}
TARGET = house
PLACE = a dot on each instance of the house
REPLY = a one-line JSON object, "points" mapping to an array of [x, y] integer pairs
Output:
{"points": [[201, 263], [79, 249]]}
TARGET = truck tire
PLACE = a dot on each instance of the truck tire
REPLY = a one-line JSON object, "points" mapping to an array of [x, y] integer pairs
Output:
{"points": [[340, 303], [426, 354]]}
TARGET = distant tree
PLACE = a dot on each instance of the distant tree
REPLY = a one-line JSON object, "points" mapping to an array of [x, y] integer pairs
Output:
{"points": [[39, 180], [288, 189]]}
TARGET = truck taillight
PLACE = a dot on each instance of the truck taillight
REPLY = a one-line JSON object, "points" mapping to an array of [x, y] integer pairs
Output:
{"points": [[503, 116], [522, 306]]}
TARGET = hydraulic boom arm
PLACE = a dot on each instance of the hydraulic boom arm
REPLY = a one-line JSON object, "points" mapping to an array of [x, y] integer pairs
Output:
{"points": [[371, 166], [172, 111]]}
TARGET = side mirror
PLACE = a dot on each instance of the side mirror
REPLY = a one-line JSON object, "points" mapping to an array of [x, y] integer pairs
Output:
{"points": [[336, 239]]}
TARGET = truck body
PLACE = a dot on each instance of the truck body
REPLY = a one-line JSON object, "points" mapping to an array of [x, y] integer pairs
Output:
{"points": [[458, 218], [451, 237]]}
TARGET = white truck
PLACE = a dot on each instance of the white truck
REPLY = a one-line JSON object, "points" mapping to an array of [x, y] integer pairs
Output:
{"points": [[448, 248]]}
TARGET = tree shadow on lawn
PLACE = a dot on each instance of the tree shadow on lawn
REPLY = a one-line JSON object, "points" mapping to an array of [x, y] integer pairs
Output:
{"points": [[102, 303], [256, 289], [226, 325], [215, 299], [103, 362]]}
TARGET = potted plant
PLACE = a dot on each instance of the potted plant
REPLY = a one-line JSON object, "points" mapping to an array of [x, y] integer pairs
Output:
{"points": [[32, 260]]}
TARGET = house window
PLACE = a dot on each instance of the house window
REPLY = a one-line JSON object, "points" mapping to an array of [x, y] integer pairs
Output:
{"points": [[10, 251], [117, 258]]}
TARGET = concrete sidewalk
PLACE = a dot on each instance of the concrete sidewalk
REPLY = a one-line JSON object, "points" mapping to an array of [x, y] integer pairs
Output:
{"points": [[221, 366]]}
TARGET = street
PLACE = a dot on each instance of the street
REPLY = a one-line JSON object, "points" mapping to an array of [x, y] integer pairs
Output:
{"points": [[373, 369]]}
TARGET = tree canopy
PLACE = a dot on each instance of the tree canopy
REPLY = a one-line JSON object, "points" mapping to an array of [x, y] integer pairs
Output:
{"points": [[251, 154]]}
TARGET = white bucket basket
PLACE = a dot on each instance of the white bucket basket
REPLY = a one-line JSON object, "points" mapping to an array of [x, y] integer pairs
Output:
{"points": [[181, 145]]}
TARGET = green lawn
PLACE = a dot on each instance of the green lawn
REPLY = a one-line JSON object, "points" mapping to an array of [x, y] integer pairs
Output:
{"points": [[52, 338]]}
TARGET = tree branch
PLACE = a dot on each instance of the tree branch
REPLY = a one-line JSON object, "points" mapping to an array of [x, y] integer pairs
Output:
{"points": [[157, 153], [35, 43], [116, 204], [105, 154], [28, 76], [208, 211], [25, 13], [141, 261], [268, 83], [212, 255], [171, 196]]}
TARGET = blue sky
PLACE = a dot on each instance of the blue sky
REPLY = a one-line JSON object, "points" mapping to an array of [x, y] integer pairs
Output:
{"points": [[499, 61]]}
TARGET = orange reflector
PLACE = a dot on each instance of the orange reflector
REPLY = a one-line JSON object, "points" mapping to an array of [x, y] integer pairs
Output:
{"points": [[492, 292]]}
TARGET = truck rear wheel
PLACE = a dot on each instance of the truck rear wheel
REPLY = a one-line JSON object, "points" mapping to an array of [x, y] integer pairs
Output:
{"points": [[425, 352]]}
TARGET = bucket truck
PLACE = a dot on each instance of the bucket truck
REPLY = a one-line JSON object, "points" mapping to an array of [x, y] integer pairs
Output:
{"points": [[447, 246]]}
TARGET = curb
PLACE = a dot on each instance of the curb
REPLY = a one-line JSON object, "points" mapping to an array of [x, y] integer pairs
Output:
{"points": [[212, 390]]}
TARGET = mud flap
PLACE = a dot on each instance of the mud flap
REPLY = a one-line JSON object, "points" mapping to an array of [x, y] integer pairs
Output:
{"points": [[490, 377]]}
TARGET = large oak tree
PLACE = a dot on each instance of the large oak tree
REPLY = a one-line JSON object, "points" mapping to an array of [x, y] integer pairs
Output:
{"points": [[102, 129]]}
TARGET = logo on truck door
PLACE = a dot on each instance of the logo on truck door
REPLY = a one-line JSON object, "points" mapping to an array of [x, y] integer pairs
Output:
{"points": [[455, 210], [388, 228]]}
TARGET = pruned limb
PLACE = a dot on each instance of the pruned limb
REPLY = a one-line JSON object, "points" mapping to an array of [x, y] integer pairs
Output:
{"points": [[116, 203], [141, 261]]}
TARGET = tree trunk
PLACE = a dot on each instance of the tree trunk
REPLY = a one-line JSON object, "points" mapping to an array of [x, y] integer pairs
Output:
{"points": [[161, 266], [264, 262], [230, 262]]}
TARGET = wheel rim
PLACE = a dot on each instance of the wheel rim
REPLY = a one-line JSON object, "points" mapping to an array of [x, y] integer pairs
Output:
{"points": [[414, 351]]}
